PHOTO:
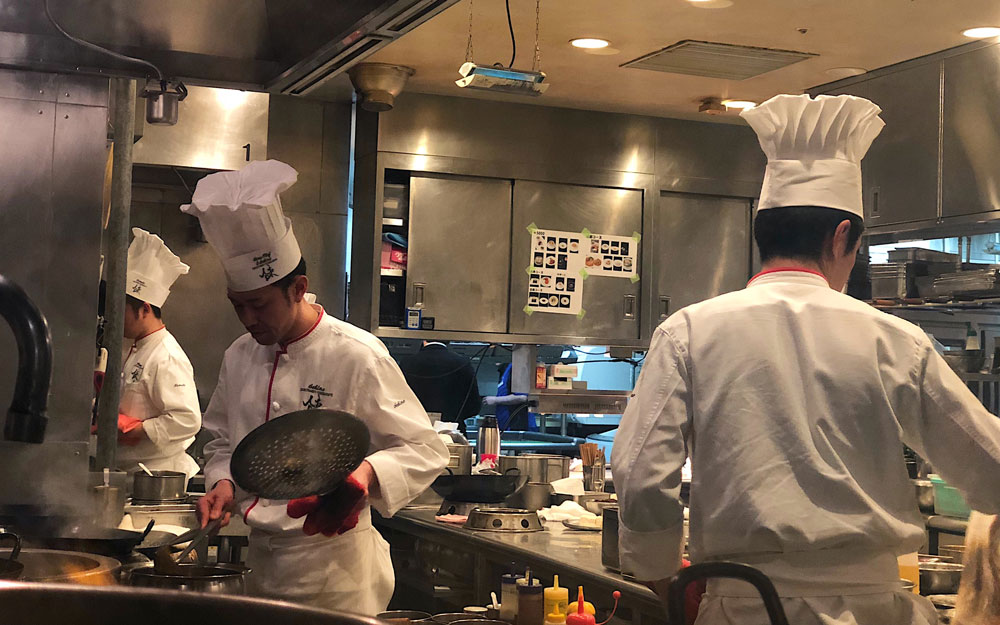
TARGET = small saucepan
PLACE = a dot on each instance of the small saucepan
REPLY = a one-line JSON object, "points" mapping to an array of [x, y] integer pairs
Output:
{"points": [[10, 568], [160, 486]]}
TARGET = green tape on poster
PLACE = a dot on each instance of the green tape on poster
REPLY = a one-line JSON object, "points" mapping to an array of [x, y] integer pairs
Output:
{"points": [[586, 232], [584, 274], [532, 227], [581, 314], [528, 310], [528, 269], [636, 235], [634, 278]]}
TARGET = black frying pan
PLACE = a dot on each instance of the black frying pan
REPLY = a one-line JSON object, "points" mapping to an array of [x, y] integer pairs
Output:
{"points": [[477, 488]]}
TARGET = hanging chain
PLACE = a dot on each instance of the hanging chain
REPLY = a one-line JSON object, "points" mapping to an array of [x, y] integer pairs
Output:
{"points": [[538, 20], [468, 46]]}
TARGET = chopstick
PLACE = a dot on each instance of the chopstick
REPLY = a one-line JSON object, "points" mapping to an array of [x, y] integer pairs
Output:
{"points": [[588, 453]]}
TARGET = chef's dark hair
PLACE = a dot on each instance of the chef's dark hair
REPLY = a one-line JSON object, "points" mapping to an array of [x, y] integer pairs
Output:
{"points": [[801, 231], [136, 306], [284, 283]]}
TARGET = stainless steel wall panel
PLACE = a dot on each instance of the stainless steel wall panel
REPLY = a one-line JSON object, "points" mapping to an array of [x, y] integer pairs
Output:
{"points": [[336, 173], [459, 251], [211, 130], [901, 167], [362, 306], [720, 159], [971, 133], [499, 131], [573, 208], [78, 163], [323, 241], [702, 249], [29, 85]]}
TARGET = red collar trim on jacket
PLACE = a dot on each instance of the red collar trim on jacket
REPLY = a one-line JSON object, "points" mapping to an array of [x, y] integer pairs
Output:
{"points": [[284, 348], [787, 269]]}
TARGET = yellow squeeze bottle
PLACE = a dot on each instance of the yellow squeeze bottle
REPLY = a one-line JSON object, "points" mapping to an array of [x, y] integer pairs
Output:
{"points": [[556, 597]]}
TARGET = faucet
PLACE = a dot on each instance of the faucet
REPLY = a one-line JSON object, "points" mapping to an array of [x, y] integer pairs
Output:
{"points": [[26, 418]]}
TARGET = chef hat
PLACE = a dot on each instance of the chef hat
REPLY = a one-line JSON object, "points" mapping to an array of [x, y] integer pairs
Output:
{"points": [[152, 268], [814, 149], [241, 217]]}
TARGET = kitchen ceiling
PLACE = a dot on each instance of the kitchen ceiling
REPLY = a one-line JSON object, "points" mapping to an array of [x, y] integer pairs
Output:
{"points": [[843, 33]]}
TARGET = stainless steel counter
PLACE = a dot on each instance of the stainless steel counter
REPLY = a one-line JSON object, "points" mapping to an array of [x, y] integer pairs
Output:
{"points": [[417, 539]]}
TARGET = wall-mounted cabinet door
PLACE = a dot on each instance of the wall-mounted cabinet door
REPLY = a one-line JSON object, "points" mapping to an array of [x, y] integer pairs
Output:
{"points": [[610, 304], [459, 251], [970, 176], [701, 249], [900, 171]]}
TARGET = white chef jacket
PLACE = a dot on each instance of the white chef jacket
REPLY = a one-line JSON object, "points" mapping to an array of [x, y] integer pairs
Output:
{"points": [[341, 367], [158, 388], [793, 402]]}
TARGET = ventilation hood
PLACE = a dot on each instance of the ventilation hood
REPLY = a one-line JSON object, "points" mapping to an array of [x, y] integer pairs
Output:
{"points": [[717, 60], [280, 46]]}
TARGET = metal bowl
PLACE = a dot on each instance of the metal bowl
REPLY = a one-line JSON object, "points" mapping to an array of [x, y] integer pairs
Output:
{"points": [[965, 361], [214, 579], [940, 578], [452, 617], [597, 506], [955, 552]]}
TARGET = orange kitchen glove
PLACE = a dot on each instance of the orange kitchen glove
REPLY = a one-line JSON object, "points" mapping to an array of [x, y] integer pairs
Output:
{"points": [[331, 514], [126, 423]]}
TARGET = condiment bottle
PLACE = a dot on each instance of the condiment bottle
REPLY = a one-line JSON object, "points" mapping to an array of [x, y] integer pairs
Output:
{"points": [[530, 602], [508, 597], [556, 596], [582, 616], [556, 617]]}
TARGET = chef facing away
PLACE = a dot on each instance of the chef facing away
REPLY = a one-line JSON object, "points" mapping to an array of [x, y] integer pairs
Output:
{"points": [[322, 552], [158, 413], [793, 402]]}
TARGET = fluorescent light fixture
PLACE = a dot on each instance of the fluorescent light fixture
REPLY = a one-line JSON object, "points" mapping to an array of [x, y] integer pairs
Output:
{"points": [[982, 32], [590, 43], [845, 72], [739, 104]]}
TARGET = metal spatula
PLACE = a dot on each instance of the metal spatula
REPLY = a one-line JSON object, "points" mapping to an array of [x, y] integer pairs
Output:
{"points": [[304, 453]]}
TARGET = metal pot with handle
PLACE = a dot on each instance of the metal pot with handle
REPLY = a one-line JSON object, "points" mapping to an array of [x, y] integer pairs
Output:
{"points": [[160, 486], [10, 568], [537, 467], [216, 579]]}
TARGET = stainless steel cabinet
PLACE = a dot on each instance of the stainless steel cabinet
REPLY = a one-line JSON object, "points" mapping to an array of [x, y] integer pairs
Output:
{"points": [[971, 150], [701, 249], [611, 305], [900, 171], [459, 251]]}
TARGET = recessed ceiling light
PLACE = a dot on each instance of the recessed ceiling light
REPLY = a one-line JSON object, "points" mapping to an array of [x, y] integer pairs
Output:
{"points": [[982, 32], [739, 104], [590, 43], [711, 4], [845, 72]]}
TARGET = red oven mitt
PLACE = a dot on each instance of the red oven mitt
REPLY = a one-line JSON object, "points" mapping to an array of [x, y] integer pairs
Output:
{"points": [[331, 514], [692, 597]]}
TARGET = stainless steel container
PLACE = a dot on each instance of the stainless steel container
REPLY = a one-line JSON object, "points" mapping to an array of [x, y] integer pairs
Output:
{"points": [[609, 539], [488, 439], [538, 467], [460, 459], [532, 496], [925, 495], [216, 579], [940, 578], [161, 486]]}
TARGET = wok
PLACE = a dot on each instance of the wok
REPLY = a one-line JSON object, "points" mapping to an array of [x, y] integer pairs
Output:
{"points": [[75, 535], [478, 488]]}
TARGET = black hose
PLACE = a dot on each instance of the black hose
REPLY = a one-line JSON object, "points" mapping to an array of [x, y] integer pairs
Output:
{"points": [[513, 43]]}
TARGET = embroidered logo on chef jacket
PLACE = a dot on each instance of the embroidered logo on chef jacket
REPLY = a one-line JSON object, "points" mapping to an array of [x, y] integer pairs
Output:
{"points": [[137, 285], [263, 262], [314, 394], [136, 372]]}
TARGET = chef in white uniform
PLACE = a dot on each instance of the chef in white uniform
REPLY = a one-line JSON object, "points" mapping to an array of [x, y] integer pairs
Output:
{"points": [[793, 402], [294, 357], [158, 413]]}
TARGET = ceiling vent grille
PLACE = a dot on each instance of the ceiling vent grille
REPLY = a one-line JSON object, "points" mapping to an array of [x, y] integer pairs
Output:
{"points": [[717, 60]]}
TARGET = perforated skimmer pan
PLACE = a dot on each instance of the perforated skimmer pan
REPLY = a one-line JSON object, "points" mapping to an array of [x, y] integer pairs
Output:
{"points": [[309, 452]]}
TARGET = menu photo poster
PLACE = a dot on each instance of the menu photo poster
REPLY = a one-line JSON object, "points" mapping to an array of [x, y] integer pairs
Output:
{"points": [[611, 255], [554, 281]]}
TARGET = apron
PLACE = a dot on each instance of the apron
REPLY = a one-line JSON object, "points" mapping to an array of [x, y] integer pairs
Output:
{"points": [[828, 587], [348, 573]]}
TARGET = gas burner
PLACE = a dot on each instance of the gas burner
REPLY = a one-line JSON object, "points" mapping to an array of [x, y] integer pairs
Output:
{"points": [[462, 508], [503, 520]]}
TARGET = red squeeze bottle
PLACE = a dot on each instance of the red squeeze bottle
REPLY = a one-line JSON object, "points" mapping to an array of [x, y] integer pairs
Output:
{"points": [[581, 617]]}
